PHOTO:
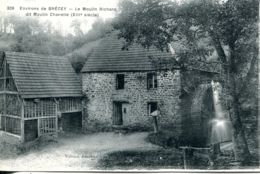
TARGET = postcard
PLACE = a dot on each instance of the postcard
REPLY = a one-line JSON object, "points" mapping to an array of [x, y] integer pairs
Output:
{"points": [[129, 86]]}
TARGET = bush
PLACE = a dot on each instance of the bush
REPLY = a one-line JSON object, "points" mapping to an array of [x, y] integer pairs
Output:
{"points": [[134, 159], [165, 139], [189, 140], [132, 128]]}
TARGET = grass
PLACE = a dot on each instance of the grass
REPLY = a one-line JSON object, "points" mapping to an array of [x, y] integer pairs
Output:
{"points": [[8, 150], [167, 157], [170, 158], [152, 159]]}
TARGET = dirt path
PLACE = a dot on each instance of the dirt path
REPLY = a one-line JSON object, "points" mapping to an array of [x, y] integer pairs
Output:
{"points": [[76, 153]]}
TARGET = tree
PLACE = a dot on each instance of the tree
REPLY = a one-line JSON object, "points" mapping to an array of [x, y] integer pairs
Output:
{"points": [[90, 40], [76, 25], [30, 35], [99, 29], [230, 28]]}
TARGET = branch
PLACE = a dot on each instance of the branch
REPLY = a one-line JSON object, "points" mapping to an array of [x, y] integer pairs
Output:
{"points": [[218, 46], [250, 73], [149, 7]]}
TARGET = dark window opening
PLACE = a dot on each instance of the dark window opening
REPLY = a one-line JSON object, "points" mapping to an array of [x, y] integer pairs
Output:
{"points": [[151, 80], [152, 106], [120, 81]]}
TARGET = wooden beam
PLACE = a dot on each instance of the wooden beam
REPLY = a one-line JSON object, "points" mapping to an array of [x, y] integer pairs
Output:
{"points": [[194, 148], [13, 116], [184, 159], [8, 92], [22, 123], [33, 118], [14, 135], [39, 127], [72, 111], [0, 121], [56, 119], [4, 112], [35, 110], [7, 77]]}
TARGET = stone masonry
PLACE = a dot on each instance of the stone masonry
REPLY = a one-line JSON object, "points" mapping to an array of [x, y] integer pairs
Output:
{"points": [[100, 89]]}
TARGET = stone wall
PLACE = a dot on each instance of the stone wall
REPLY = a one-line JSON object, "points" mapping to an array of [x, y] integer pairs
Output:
{"points": [[100, 89], [196, 107]]}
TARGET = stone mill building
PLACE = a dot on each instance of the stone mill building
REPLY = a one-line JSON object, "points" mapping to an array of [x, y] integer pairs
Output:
{"points": [[124, 86]]}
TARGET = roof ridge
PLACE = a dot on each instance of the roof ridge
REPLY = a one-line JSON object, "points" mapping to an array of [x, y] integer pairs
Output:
{"points": [[35, 54]]}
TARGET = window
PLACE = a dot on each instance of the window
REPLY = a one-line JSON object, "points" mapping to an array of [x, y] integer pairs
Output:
{"points": [[151, 80], [151, 107], [120, 81]]}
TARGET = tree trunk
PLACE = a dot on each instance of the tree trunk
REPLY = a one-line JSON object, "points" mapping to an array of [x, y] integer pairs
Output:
{"points": [[241, 150]]}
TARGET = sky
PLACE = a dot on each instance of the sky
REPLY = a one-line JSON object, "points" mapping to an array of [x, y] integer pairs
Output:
{"points": [[22, 7]]}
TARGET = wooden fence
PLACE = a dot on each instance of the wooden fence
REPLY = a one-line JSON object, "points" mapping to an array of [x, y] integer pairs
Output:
{"points": [[43, 108], [47, 125]]}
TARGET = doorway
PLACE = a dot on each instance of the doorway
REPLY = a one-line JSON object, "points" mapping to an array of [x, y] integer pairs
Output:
{"points": [[30, 129], [71, 122], [117, 113]]}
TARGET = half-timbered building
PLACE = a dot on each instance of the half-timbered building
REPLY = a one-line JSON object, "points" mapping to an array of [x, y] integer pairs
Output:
{"points": [[39, 95]]}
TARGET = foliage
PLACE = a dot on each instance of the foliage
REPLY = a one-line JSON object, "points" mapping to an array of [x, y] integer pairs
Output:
{"points": [[164, 138], [191, 25], [99, 29], [90, 40], [30, 35], [76, 25], [150, 159], [201, 31], [163, 158]]}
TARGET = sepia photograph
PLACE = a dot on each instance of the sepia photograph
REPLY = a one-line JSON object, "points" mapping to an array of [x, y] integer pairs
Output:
{"points": [[129, 86]]}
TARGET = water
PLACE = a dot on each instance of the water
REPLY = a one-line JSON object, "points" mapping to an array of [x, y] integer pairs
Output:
{"points": [[221, 127]]}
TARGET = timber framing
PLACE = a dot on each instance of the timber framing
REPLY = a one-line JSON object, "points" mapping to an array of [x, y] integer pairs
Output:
{"points": [[35, 90]]}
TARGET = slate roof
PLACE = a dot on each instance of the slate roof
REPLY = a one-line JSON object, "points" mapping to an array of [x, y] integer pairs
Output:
{"points": [[38, 76], [108, 56]]}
